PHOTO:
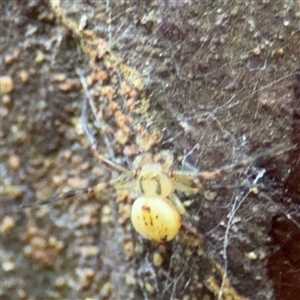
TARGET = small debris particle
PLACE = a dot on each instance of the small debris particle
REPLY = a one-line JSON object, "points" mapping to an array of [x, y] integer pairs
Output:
{"points": [[57, 179], [262, 255], [14, 162], [85, 166], [87, 220], [83, 22], [122, 136], [60, 281], [77, 183], [106, 219], [188, 203], [256, 51], [157, 259], [87, 251], [90, 80], [280, 51], [24, 76], [252, 255], [129, 249], [6, 100], [6, 85], [130, 280], [21, 293], [89, 215], [130, 150], [54, 242], [38, 242], [209, 195], [84, 276], [106, 290], [60, 78], [7, 224], [39, 57], [10, 58], [4, 111], [8, 266], [68, 85], [106, 210], [46, 17], [124, 211], [235, 11], [77, 159], [149, 287], [67, 154]]}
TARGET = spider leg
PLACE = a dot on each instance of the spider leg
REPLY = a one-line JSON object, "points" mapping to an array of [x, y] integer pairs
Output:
{"points": [[187, 180], [242, 165], [106, 162], [88, 102], [189, 184], [91, 104], [85, 127], [165, 158], [188, 222], [178, 204], [123, 182], [192, 229], [88, 191]]}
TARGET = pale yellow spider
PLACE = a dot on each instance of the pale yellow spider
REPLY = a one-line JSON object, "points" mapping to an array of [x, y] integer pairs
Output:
{"points": [[157, 213]]}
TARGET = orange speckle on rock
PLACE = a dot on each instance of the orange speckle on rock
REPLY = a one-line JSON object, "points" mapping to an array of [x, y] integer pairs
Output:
{"points": [[114, 106], [40, 247], [127, 90], [108, 92], [131, 104], [122, 136], [101, 76]]}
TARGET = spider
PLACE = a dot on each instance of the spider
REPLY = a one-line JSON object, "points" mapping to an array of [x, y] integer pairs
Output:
{"points": [[157, 214]]}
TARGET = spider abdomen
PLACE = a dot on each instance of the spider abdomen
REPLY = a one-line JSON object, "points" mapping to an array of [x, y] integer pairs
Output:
{"points": [[155, 218]]}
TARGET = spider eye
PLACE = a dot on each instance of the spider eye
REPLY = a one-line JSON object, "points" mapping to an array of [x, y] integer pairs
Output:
{"points": [[155, 219], [153, 183]]}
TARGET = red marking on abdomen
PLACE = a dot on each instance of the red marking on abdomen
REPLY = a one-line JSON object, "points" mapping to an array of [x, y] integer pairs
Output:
{"points": [[146, 208]]}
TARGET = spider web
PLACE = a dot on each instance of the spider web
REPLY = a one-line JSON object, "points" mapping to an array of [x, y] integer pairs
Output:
{"points": [[220, 103]]}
